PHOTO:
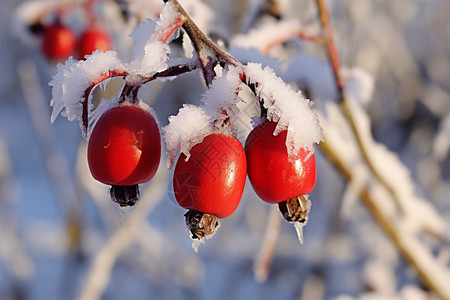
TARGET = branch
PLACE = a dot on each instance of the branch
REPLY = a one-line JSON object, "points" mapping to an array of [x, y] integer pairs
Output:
{"points": [[330, 46], [432, 273], [208, 53]]}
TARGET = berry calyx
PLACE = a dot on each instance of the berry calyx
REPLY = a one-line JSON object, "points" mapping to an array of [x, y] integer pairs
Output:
{"points": [[93, 38], [58, 42], [124, 149], [211, 181]]}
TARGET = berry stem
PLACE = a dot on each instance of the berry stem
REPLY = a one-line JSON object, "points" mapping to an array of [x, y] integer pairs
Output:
{"points": [[87, 92], [208, 53]]}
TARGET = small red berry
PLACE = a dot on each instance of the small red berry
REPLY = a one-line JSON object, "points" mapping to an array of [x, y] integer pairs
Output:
{"points": [[275, 176], [124, 147], [58, 42], [92, 39], [212, 180]]}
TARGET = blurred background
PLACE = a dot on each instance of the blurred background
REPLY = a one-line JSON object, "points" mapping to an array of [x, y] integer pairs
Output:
{"points": [[61, 237]]}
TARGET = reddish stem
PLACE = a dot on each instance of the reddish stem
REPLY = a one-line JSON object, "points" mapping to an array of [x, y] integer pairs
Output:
{"points": [[169, 30], [330, 45], [87, 92]]}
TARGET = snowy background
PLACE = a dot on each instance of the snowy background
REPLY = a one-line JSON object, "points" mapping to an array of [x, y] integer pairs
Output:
{"points": [[62, 238]]}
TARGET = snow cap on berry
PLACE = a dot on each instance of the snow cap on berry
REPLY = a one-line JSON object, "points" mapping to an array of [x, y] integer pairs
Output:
{"points": [[193, 123], [188, 128], [290, 109]]}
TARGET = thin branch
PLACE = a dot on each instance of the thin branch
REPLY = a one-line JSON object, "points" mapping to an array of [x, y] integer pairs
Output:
{"points": [[335, 64], [418, 257], [330, 45], [87, 93], [209, 54]]}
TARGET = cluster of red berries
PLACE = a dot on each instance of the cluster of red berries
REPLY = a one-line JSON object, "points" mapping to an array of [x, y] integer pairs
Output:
{"points": [[60, 41], [124, 150]]}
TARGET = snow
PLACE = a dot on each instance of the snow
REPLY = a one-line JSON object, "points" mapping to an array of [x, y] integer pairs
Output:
{"points": [[263, 36], [290, 109], [396, 203], [193, 123], [188, 128], [74, 77], [359, 85], [222, 95]]}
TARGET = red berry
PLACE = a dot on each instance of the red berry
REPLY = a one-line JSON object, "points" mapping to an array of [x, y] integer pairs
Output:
{"points": [[93, 39], [125, 147], [274, 176], [58, 42], [212, 180]]}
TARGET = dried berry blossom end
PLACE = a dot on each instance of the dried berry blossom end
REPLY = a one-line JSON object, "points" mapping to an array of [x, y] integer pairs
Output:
{"points": [[201, 224], [296, 209], [125, 196]]}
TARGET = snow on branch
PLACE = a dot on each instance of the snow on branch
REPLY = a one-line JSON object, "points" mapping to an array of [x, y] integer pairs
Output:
{"points": [[403, 214]]}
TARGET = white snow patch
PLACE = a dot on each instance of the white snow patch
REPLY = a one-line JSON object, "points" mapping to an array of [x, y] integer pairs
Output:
{"points": [[358, 84], [188, 128], [222, 95], [73, 78]]}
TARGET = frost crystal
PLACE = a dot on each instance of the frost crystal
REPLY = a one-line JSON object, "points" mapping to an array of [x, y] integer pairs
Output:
{"points": [[74, 80], [74, 77], [189, 127], [222, 96], [290, 109]]}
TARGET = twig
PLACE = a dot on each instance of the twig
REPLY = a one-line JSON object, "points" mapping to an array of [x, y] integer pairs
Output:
{"points": [[335, 64], [209, 54], [408, 244], [330, 45]]}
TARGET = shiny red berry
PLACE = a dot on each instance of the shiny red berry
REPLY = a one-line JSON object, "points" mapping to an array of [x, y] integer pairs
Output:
{"points": [[124, 147], [275, 176], [93, 38], [212, 180], [58, 42]]}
